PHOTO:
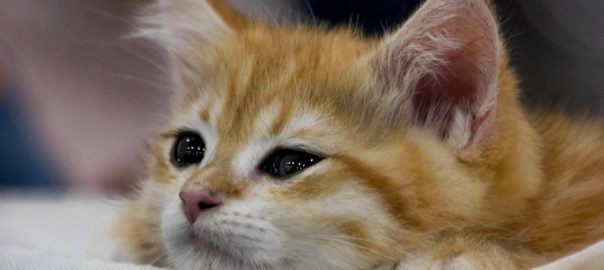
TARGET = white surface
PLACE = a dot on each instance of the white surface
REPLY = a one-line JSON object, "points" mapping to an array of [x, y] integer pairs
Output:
{"points": [[69, 226], [20, 259]]}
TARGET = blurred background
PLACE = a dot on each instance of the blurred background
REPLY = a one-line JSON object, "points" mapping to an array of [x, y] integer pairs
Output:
{"points": [[77, 100]]}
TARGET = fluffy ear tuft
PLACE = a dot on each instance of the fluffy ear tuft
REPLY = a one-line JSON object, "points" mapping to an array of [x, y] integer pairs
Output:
{"points": [[442, 67], [185, 27]]}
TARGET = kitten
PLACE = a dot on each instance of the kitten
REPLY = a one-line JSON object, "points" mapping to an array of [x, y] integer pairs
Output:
{"points": [[307, 148]]}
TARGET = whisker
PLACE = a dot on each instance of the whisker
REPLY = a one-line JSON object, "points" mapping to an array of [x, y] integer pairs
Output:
{"points": [[159, 258], [104, 14], [153, 84], [132, 51], [267, 10], [311, 11]]}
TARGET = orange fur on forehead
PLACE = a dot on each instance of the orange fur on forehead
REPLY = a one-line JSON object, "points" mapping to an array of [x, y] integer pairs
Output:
{"points": [[297, 69]]}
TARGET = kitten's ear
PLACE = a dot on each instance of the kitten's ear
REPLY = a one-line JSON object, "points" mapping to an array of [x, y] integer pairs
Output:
{"points": [[185, 27], [441, 69]]}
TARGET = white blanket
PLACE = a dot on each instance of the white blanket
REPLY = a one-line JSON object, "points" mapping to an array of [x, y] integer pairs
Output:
{"points": [[20, 259], [57, 232]]}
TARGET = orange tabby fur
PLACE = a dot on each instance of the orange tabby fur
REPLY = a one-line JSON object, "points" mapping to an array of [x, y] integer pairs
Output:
{"points": [[530, 192]]}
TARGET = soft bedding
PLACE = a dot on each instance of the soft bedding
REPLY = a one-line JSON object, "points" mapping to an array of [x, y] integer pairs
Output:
{"points": [[12, 258]]}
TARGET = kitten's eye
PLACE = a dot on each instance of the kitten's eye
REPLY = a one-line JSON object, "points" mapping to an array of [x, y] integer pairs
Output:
{"points": [[286, 162], [189, 149]]}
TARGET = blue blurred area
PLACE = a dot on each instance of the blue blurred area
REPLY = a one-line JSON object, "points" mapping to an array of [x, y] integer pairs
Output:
{"points": [[22, 163]]}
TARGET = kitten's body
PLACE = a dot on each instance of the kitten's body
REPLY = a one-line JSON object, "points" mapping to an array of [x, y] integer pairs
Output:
{"points": [[568, 211], [429, 159]]}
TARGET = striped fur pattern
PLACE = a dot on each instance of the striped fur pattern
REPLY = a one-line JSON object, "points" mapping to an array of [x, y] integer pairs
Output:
{"points": [[430, 161]]}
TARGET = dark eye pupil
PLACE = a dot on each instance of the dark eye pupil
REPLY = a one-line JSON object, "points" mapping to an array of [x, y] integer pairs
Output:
{"points": [[284, 162], [189, 149]]}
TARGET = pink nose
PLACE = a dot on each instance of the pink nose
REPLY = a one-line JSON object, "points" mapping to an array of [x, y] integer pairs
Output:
{"points": [[196, 200]]}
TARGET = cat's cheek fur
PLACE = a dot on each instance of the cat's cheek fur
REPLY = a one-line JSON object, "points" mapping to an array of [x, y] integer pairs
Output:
{"points": [[346, 229]]}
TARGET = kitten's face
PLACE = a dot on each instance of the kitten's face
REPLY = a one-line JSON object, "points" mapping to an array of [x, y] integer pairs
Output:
{"points": [[263, 107], [310, 160]]}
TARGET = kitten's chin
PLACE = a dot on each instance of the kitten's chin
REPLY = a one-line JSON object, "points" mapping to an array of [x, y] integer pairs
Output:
{"points": [[200, 253]]}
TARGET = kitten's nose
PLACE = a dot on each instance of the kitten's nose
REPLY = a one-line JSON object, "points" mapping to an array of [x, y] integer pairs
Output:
{"points": [[197, 199]]}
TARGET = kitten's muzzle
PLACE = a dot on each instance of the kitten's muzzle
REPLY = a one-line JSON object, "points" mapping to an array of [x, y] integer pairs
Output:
{"points": [[197, 199]]}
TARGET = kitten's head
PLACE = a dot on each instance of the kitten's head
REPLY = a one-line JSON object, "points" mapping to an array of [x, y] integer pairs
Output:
{"points": [[303, 148]]}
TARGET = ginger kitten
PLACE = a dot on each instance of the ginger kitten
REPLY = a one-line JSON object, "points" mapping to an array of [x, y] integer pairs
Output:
{"points": [[307, 148]]}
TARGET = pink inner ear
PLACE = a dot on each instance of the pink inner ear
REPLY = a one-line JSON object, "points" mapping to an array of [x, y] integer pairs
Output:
{"points": [[444, 61], [454, 85]]}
